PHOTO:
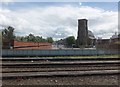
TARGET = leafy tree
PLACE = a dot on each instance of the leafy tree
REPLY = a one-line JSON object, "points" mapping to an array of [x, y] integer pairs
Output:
{"points": [[50, 39], [70, 40], [31, 38], [44, 40], [8, 34], [37, 39], [7, 37]]}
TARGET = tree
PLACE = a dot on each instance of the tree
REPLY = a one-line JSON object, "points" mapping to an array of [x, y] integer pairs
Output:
{"points": [[50, 39], [37, 39], [7, 37], [31, 38], [70, 40], [8, 34]]}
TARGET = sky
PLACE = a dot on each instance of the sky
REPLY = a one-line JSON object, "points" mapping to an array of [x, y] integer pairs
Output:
{"points": [[59, 19]]}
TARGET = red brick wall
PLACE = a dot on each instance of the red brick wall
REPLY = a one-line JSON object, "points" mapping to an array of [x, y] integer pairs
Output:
{"points": [[32, 45]]}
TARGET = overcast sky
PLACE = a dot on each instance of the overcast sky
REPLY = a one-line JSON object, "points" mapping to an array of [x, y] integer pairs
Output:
{"points": [[60, 19]]}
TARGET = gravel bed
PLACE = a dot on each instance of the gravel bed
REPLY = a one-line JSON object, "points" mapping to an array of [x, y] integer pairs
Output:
{"points": [[79, 80]]}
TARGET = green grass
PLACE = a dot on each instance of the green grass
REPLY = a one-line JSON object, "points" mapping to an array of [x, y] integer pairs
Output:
{"points": [[72, 57]]}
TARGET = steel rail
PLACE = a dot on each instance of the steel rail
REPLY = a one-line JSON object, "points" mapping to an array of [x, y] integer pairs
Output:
{"points": [[60, 63], [59, 66], [51, 70], [60, 73]]}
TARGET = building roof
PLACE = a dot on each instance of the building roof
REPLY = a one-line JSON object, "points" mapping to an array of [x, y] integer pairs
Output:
{"points": [[114, 36], [82, 19], [91, 35]]}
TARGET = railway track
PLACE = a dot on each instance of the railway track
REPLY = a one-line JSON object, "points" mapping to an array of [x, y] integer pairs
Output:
{"points": [[56, 59], [39, 67]]}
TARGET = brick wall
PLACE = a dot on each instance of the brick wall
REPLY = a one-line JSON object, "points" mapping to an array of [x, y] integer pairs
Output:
{"points": [[32, 45]]}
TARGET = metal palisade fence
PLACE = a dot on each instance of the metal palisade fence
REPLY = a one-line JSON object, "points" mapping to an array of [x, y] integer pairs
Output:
{"points": [[58, 52]]}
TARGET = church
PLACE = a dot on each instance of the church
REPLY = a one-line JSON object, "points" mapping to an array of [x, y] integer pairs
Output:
{"points": [[85, 37]]}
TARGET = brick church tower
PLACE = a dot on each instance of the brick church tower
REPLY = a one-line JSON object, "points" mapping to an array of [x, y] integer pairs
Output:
{"points": [[82, 37]]}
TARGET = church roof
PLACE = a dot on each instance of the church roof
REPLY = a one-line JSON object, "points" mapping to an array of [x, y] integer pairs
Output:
{"points": [[91, 35]]}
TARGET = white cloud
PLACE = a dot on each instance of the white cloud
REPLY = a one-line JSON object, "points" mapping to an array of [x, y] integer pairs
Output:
{"points": [[60, 22], [6, 2], [80, 3]]}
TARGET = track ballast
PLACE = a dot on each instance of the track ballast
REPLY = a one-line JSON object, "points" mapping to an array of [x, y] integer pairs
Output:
{"points": [[33, 67]]}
